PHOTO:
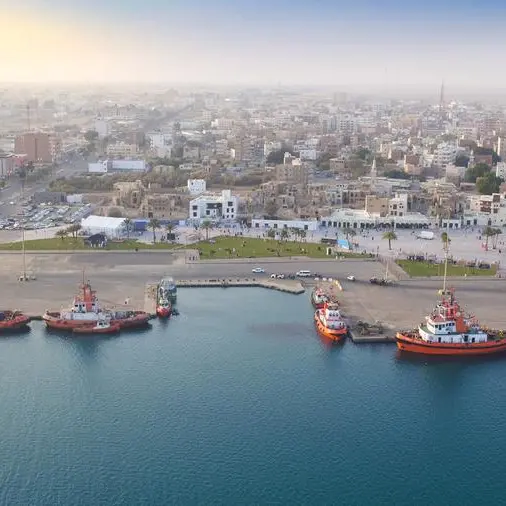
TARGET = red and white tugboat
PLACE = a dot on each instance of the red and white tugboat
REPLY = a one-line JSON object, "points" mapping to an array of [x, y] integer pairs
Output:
{"points": [[163, 308], [319, 298], [102, 327], [86, 311], [13, 320], [330, 323], [449, 331]]}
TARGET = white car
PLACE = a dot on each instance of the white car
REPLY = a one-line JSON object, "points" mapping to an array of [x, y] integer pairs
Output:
{"points": [[351, 278], [257, 270]]}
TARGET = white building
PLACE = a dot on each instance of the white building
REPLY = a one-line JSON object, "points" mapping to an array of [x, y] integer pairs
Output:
{"points": [[196, 186], [102, 127], [107, 166], [359, 219], [112, 228], [214, 207], [398, 205], [310, 225], [308, 154], [445, 154]]}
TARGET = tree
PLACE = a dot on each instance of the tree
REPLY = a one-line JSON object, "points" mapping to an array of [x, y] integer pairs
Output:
{"points": [[445, 239], [277, 156], [284, 234], [302, 234], [154, 224], [390, 236], [488, 232], [396, 174], [271, 233], [61, 234], [90, 136], [206, 226], [114, 212], [73, 230], [127, 223], [169, 228], [488, 184], [497, 233], [479, 170], [364, 154], [462, 161]]}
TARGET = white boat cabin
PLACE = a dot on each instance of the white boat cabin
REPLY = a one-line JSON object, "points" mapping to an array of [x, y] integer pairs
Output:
{"points": [[447, 324], [331, 317]]}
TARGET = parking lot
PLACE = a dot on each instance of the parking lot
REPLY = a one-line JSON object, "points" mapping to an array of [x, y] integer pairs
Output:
{"points": [[45, 216]]}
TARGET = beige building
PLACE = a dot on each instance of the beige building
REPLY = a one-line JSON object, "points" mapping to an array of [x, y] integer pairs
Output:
{"points": [[297, 174], [38, 147], [122, 150], [376, 205], [129, 194]]}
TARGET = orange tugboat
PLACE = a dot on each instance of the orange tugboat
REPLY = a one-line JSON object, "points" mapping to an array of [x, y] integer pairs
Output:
{"points": [[330, 323], [449, 331], [86, 312], [13, 320]]}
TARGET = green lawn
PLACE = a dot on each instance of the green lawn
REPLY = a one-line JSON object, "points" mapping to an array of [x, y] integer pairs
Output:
{"points": [[70, 244], [223, 247], [423, 269]]}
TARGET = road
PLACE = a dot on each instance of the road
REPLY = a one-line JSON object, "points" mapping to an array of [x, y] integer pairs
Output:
{"points": [[13, 192]]}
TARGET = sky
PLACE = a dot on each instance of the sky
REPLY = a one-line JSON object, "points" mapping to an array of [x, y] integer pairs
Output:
{"points": [[376, 43]]}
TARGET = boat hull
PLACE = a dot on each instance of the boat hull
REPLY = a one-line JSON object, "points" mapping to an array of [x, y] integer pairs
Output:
{"points": [[17, 322], [333, 334], [112, 329], [53, 321], [163, 312], [411, 343]]}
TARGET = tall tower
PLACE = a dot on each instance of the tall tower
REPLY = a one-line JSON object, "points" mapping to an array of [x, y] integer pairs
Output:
{"points": [[442, 99]]}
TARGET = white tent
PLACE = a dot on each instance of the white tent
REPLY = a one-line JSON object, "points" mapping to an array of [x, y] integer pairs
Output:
{"points": [[113, 228]]}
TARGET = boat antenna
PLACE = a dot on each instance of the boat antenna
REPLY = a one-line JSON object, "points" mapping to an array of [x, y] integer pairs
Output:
{"points": [[446, 246]]}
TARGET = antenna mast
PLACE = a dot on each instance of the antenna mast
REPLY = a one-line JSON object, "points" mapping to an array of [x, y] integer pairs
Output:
{"points": [[28, 115]]}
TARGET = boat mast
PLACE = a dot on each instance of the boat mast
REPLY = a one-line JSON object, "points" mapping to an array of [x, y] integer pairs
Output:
{"points": [[446, 244], [23, 227]]}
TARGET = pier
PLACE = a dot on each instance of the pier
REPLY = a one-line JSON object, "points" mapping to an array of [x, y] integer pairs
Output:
{"points": [[281, 285]]}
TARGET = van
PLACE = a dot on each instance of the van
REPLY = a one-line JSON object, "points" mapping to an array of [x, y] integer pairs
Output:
{"points": [[304, 274]]}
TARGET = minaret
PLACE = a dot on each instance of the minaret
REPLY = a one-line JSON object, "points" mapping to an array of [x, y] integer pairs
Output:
{"points": [[442, 101], [374, 173]]}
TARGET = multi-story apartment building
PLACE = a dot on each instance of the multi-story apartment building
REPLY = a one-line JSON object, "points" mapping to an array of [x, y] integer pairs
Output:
{"points": [[445, 154], [37, 146]]}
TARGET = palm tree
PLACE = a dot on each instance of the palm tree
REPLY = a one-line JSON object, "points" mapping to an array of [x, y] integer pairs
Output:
{"points": [[169, 227], [446, 241], [390, 236], [302, 234], [128, 226], [271, 233], [497, 233], [154, 224], [284, 234], [488, 233], [207, 226]]}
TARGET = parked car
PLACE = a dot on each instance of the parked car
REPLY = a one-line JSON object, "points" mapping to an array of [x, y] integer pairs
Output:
{"points": [[257, 270], [351, 278], [277, 276]]}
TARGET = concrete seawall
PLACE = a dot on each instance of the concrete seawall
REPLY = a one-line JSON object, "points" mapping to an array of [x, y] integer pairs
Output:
{"points": [[293, 287]]}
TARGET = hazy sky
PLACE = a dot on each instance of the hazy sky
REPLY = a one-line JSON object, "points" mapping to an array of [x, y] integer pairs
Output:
{"points": [[329, 42]]}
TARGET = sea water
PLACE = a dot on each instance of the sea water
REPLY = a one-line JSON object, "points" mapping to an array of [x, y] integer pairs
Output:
{"points": [[238, 401]]}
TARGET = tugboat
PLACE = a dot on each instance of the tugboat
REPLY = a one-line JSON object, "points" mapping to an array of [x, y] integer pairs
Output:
{"points": [[319, 298], [13, 320], [449, 331], [86, 312], [163, 307], [330, 323], [102, 327]]}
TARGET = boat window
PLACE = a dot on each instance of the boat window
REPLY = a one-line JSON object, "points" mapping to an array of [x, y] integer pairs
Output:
{"points": [[439, 340]]}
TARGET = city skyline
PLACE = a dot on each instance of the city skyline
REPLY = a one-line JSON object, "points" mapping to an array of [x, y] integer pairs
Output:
{"points": [[245, 43]]}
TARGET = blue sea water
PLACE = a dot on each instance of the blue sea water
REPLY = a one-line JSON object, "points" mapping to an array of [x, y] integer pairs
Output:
{"points": [[238, 401]]}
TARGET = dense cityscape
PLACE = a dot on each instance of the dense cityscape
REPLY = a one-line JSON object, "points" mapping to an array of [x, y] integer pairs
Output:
{"points": [[267, 159]]}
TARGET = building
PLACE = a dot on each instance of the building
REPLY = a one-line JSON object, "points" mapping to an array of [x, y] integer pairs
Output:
{"points": [[361, 219], [500, 170], [37, 146], [310, 225], [214, 207], [122, 150], [376, 205], [445, 154], [196, 186], [107, 166], [7, 165], [102, 127]]}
